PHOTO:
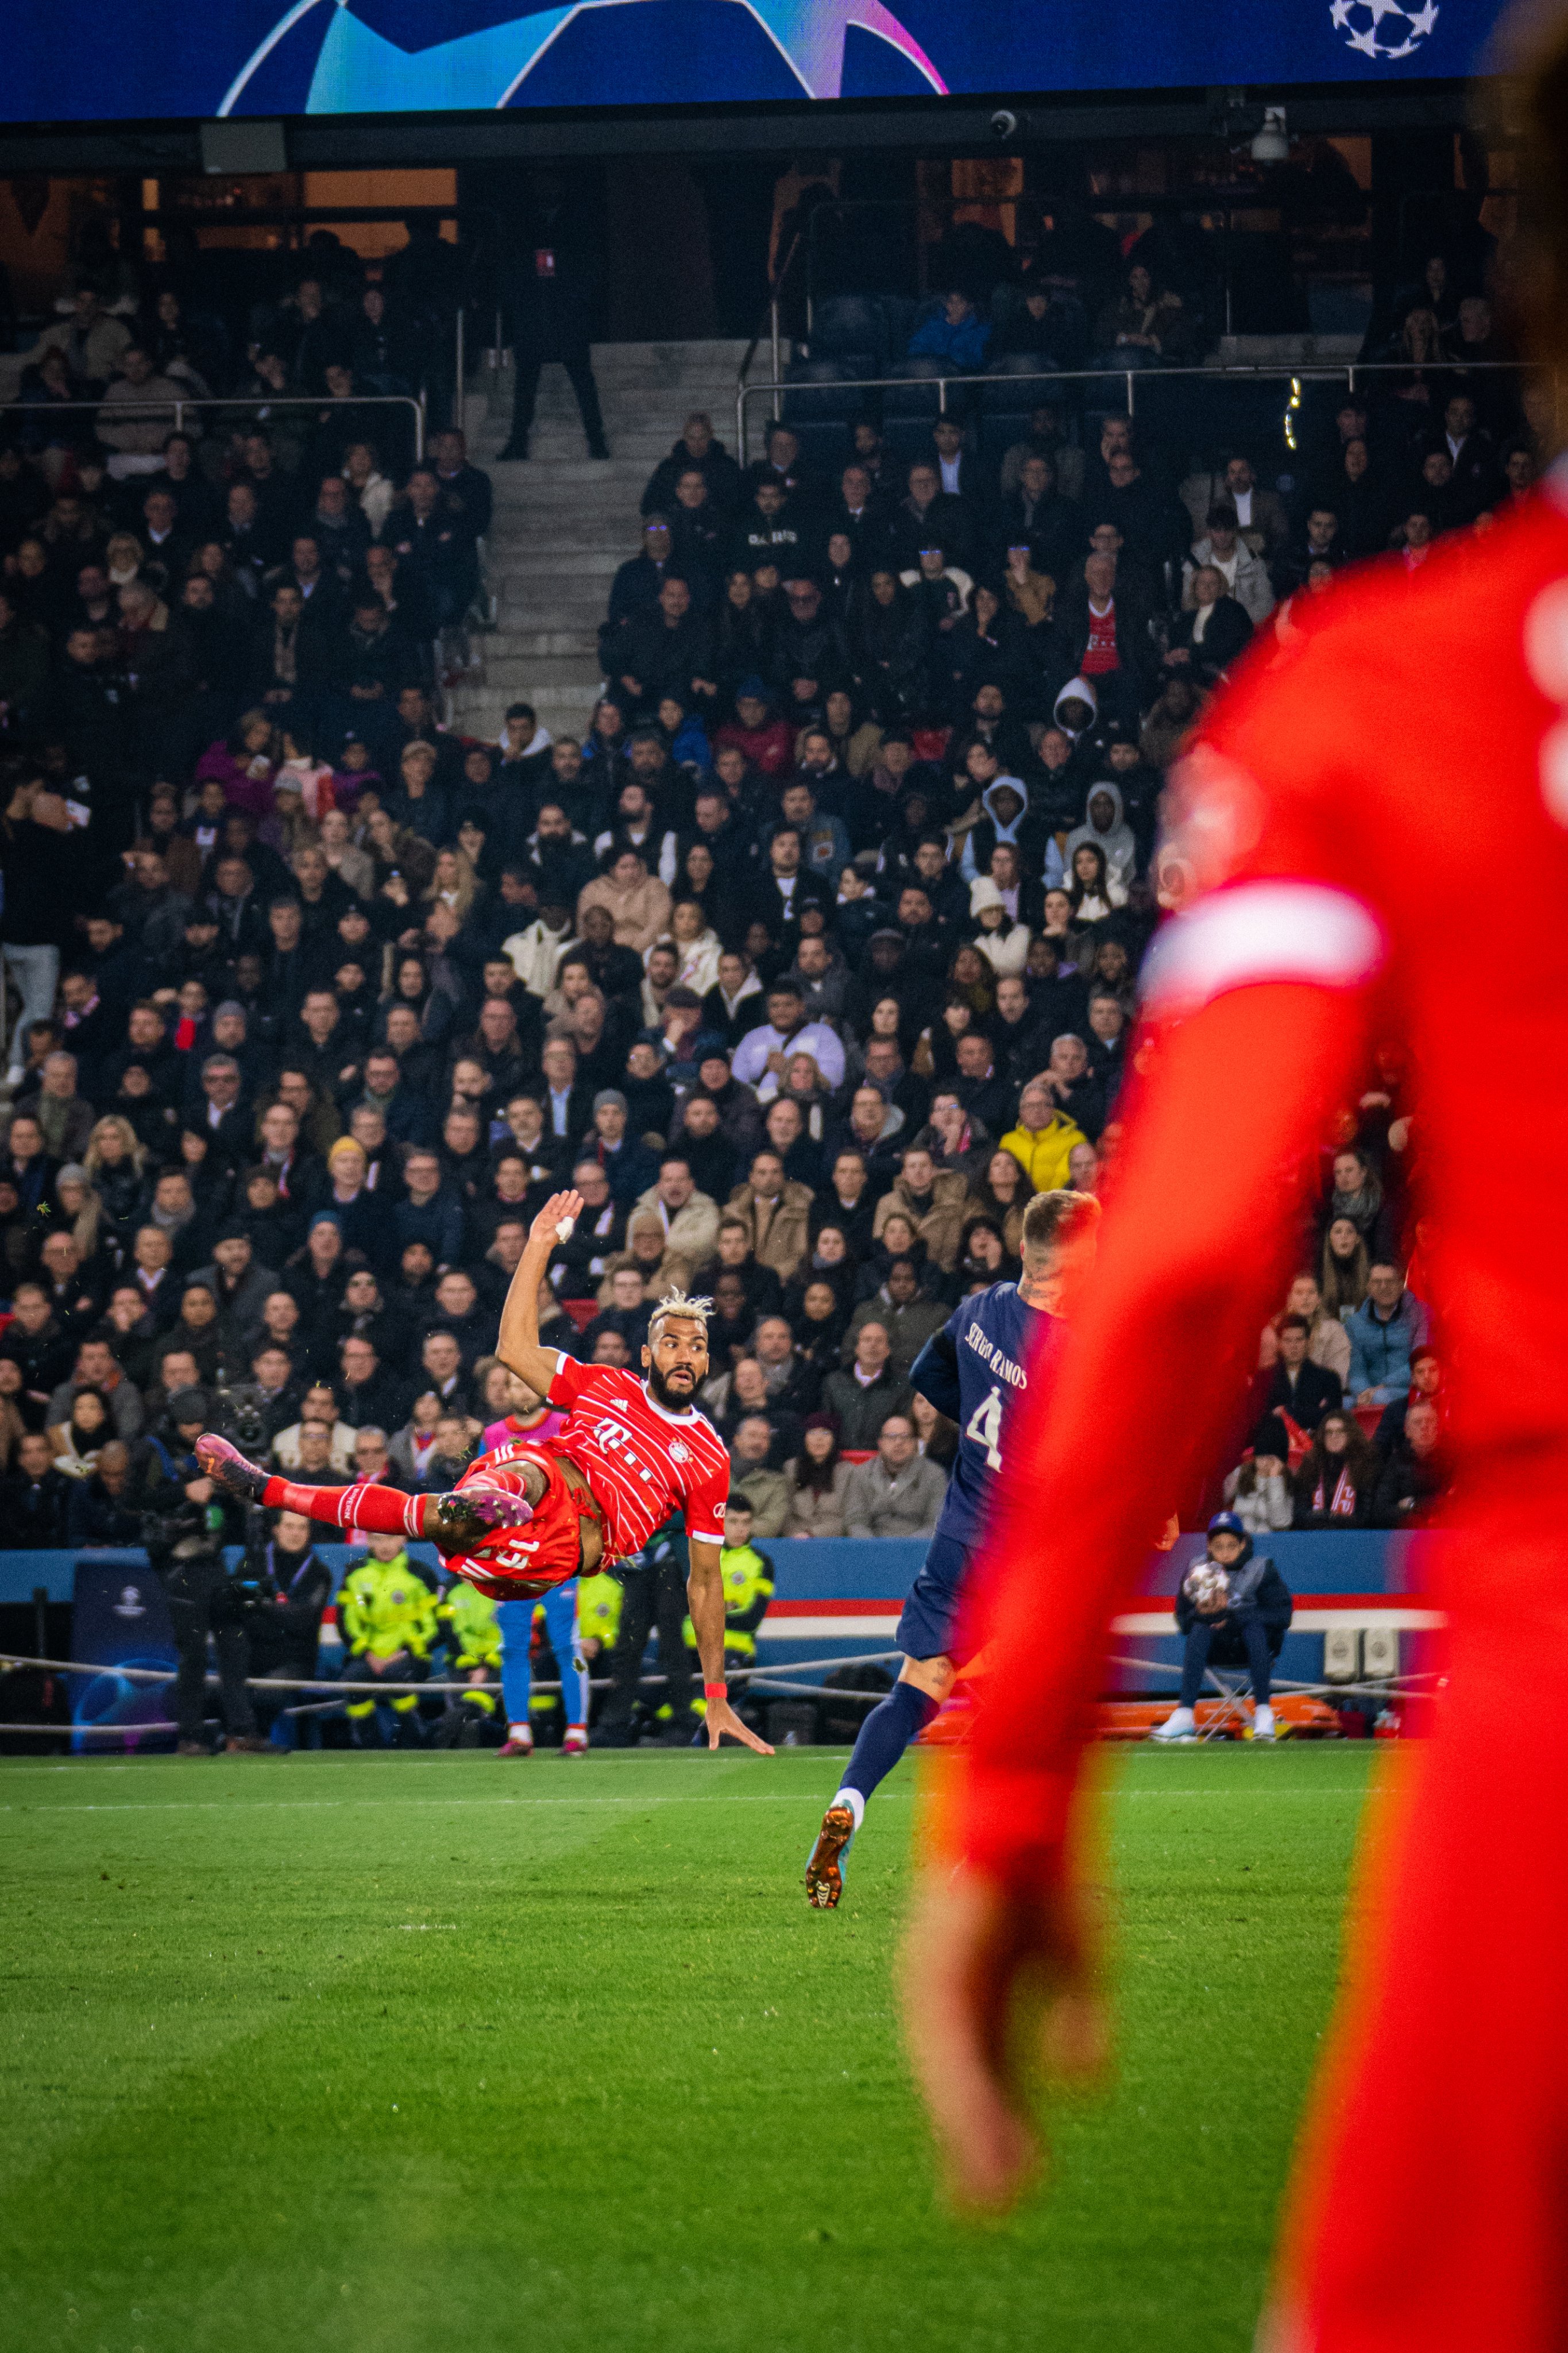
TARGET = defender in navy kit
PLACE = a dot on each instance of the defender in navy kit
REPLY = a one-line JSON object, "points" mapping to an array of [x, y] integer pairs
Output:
{"points": [[993, 1346]]}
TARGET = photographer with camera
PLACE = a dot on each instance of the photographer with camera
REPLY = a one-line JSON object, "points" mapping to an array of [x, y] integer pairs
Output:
{"points": [[283, 1591], [1232, 1610], [185, 1521]]}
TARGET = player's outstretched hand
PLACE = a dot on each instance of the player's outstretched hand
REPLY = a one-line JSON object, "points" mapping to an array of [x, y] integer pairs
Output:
{"points": [[992, 1990], [562, 1209], [721, 1718]]}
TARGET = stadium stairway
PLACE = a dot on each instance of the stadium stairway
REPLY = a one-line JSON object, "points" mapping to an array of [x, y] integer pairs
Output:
{"points": [[564, 522]]}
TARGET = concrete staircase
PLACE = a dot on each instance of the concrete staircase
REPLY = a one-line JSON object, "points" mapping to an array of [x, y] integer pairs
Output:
{"points": [[564, 522]]}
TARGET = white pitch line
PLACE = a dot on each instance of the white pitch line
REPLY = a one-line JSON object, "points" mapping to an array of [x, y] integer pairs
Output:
{"points": [[775, 1798], [282, 1804]]}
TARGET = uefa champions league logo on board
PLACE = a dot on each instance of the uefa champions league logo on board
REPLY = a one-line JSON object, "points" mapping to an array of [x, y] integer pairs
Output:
{"points": [[1383, 29], [359, 71]]}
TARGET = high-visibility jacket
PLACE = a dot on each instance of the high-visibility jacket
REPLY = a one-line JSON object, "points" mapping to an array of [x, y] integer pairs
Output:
{"points": [[472, 1631], [386, 1606], [599, 1599], [748, 1588]]}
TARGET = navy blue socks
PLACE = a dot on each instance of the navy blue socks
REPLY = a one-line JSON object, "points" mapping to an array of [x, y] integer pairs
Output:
{"points": [[886, 1732]]}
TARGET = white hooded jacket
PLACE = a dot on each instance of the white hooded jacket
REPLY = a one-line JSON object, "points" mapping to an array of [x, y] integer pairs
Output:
{"points": [[1079, 690], [1118, 843]]}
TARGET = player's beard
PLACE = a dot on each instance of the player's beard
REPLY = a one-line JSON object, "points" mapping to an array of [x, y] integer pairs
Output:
{"points": [[676, 1401]]}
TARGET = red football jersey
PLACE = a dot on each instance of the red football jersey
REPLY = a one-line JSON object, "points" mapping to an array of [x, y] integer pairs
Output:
{"points": [[1356, 795], [641, 1460], [1375, 818]]}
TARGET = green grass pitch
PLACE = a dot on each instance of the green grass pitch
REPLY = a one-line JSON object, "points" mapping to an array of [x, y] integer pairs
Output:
{"points": [[386, 2053]]}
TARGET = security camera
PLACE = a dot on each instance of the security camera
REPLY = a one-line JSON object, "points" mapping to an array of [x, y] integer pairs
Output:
{"points": [[1272, 142], [1004, 125]]}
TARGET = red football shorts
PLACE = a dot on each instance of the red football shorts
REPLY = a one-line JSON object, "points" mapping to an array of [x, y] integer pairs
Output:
{"points": [[519, 1564]]}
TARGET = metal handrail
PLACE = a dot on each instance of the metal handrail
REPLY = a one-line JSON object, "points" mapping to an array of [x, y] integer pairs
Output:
{"points": [[149, 412], [1295, 373], [771, 315]]}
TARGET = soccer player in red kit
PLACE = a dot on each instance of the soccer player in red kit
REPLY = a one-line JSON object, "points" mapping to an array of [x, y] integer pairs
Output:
{"points": [[1351, 788], [538, 1510]]}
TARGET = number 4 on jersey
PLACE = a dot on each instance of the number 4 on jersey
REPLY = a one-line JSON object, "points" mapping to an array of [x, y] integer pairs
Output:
{"points": [[985, 1426]]}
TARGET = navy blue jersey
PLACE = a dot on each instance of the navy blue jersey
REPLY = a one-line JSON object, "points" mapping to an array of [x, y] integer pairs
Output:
{"points": [[973, 1370]]}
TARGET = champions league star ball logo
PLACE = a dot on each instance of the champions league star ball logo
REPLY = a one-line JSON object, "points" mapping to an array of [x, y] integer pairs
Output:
{"points": [[1383, 29], [359, 71]]}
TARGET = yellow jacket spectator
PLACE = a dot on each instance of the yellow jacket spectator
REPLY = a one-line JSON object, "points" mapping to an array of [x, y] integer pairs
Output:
{"points": [[1044, 1140]]}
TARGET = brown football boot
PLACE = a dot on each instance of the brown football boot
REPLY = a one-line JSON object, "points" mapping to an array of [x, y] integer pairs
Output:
{"points": [[824, 1871]]}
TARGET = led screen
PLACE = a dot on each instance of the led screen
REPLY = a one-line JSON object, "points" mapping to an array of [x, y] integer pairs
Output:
{"points": [[93, 61]]}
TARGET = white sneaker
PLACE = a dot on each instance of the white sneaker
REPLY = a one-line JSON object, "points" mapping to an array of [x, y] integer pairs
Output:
{"points": [[1181, 1725], [1263, 1722]]}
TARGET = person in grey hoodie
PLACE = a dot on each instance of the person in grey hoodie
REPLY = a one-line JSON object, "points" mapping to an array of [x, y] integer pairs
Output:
{"points": [[1105, 825]]}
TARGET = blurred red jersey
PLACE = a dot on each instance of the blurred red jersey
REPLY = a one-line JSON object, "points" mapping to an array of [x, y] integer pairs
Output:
{"points": [[1376, 819]]}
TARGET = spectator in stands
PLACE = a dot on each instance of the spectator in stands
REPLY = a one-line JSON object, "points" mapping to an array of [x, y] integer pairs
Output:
{"points": [[1425, 1384], [1416, 1477], [900, 1492], [815, 1480], [1258, 1489], [1142, 325], [35, 1496], [1385, 1330], [1297, 1386], [932, 1201], [97, 1512], [1337, 1482], [1044, 1138], [1211, 631], [906, 1314], [1345, 1268], [764, 1488], [1327, 1342], [879, 843], [762, 1054], [771, 1212], [698, 450], [1224, 549], [1358, 1195], [861, 1394], [1260, 514], [1232, 1609]]}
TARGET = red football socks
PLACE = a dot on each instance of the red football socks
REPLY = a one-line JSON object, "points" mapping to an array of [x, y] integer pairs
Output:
{"points": [[383, 1511]]}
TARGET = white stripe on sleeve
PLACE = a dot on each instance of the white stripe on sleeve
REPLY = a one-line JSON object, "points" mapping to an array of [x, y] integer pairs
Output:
{"points": [[1261, 931]]}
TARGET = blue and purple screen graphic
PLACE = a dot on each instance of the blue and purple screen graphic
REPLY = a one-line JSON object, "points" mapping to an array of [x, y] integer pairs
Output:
{"points": [[87, 60]]}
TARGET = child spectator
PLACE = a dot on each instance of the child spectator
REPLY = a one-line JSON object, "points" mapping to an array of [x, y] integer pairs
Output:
{"points": [[1233, 1609]]}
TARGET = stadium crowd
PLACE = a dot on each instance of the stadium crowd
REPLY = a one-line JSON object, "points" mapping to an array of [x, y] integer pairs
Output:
{"points": [[806, 962]]}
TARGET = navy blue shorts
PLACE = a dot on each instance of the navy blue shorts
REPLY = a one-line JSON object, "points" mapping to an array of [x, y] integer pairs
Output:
{"points": [[928, 1628]]}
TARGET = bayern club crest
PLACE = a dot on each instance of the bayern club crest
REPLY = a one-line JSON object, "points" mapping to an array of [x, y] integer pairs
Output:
{"points": [[680, 1451], [1384, 29]]}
